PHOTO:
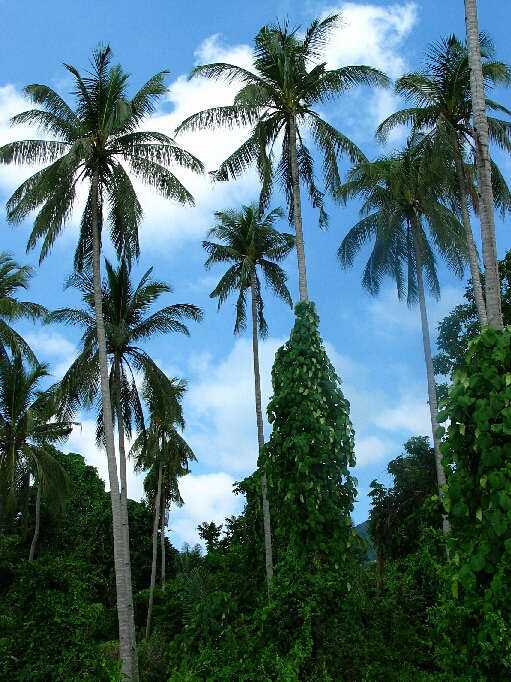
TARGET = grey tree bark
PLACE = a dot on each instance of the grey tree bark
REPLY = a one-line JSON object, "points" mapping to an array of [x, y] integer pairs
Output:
{"points": [[124, 510], [155, 550], [430, 372], [125, 616], [483, 162], [297, 211], [162, 540], [37, 523], [473, 256], [260, 439]]}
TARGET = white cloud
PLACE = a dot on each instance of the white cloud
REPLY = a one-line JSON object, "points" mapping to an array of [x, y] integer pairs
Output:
{"points": [[54, 348], [207, 497], [371, 35], [83, 441], [410, 414], [220, 406], [372, 449]]}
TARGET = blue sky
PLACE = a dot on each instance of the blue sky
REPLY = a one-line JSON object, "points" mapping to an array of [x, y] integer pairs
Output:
{"points": [[375, 344]]}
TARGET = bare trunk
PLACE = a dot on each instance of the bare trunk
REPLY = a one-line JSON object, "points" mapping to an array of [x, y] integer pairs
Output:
{"points": [[260, 439], [124, 615], [162, 541], [124, 510], [155, 551], [483, 161], [297, 211], [472, 251], [379, 570], [430, 372], [37, 523]]}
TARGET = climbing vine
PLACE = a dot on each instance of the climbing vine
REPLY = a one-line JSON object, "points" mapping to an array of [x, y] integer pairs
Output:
{"points": [[477, 456]]}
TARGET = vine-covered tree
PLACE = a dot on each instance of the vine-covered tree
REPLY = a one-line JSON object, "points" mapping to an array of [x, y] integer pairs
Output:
{"points": [[310, 487]]}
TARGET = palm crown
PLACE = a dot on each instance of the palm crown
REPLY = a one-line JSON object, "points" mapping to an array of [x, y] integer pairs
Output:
{"points": [[128, 323], [12, 278], [248, 242], [26, 424], [398, 203], [98, 137], [278, 99]]}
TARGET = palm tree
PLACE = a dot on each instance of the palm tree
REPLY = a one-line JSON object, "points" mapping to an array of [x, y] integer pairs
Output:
{"points": [[165, 453], [483, 161], [127, 324], [12, 278], [278, 99], [440, 96], [26, 425], [89, 145], [400, 201], [250, 241]]}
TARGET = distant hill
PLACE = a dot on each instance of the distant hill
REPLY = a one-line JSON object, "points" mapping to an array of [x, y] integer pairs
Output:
{"points": [[362, 530]]}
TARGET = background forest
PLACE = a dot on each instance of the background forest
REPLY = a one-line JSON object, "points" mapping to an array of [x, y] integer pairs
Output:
{"points": [[121, 188]]}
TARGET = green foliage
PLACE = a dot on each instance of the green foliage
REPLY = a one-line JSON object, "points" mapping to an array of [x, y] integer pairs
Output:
{"points": [[311, 493], [458, 328], [398, 512], [477, 456], [48, 621], [311, 447]]}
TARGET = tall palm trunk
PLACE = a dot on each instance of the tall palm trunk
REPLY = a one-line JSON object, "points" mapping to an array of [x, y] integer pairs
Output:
{"points": [[260, 439], [472, 251], [483, 162], [430, 372], [297, 210], [124, 508], [155, 550], [125, 617], [162, 539], [37, 523]]}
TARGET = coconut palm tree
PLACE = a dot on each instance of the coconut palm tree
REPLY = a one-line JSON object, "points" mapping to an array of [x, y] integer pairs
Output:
{"points": [[279, 100], [12, 278], [440, 96], [127, 324], [165, 453], [90, 145], [405, 218], [26, 425], [248, 241], [491, 268]]}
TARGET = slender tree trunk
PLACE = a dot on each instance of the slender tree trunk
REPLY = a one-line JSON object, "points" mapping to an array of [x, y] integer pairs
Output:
{"points": [[297, 210], [124, 614], [124, 510], [472, 251], [162, 541], [155, 550], [483, 161], [433, 404], [379, 570], [37, 523], [260, 438]]}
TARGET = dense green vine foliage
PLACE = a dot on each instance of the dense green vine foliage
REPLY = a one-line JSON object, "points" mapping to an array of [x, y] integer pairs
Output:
{"points": [[311, 494], [461, 325], [477, 454], [310, 449]]}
